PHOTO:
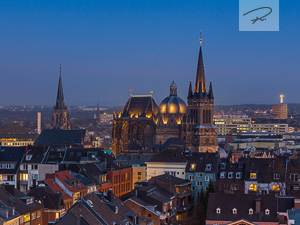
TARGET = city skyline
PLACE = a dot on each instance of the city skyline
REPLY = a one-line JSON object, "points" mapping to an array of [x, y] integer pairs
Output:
{"points": [[142, 47]]}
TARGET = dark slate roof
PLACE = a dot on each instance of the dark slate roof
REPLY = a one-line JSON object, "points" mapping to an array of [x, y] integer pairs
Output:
{"points": [[49, 199], [201, 160], [70, 218], [231, 168], [19, 136], [242, 202], [169, 179], [57, 137], [133, 160], [83, 179], [171, 154], [12, 155], [35, 155], [265, 169], [140, 106], [12, 197], [285, 203]]}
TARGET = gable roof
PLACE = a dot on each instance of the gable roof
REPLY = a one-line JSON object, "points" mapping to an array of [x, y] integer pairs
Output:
{"points": [[201, 160], [171, 154], [49, 199], [57, 137]]}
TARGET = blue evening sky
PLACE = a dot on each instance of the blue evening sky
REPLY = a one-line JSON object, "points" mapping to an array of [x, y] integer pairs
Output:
{"points": [[108, 47]]}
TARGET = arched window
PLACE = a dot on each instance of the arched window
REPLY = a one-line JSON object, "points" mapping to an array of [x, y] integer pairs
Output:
{"points": [[267, 212], [218, 210], [148, 136]]}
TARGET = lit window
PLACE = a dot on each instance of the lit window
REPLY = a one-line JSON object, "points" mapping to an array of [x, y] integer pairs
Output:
{"points": [[252, 175], [234, 211], [33, 216], [222, 174], [252, 187], [193, 167], [27, 218], [276, 188], [250, 211], [57, 215], [267, 212], [218, 210]]}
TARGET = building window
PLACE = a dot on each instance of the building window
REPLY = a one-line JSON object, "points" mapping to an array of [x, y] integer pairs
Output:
{"points": [[207, 178], [252, 187], [27, 218], [33, 216], [250, 211], [199, 183], [191, 178], [222, 175], [234, 211], [193, 167], [276, 188], [199, 174], [208, 167], [230, 175], [276, 176], [294, 177], [218, 210], [238, 175], [267, 212], [252, 175], [57, 215], [222, 166]]}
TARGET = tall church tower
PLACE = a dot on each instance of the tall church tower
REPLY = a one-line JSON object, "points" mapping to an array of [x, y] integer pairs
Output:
{"points": [[60, 114], [200, 131]]}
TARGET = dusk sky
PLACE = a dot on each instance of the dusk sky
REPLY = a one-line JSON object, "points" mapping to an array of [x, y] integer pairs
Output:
{"points": [[108, 47]]}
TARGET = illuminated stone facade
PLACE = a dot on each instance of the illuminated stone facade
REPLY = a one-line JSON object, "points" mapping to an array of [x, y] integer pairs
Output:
{"points": [[142, 124]]}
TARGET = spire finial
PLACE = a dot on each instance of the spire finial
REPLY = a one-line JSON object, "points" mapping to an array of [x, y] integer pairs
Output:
{"points": [[130, 92], [60, 70], [200, 37], [151, 93]]}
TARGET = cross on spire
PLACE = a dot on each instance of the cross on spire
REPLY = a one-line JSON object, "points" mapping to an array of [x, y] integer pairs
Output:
{"points": [[200, 37]]}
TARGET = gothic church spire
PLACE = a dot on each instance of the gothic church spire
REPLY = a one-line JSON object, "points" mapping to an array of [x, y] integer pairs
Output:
{"points": [[60, 101]]}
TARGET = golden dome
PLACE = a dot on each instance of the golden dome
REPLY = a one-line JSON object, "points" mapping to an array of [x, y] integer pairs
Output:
{"points": [[172, 105]]}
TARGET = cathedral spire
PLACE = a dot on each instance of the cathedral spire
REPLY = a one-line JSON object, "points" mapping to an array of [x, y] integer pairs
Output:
{"points": [[200, 77], [190, 94], [210, 93], [60, 102]]}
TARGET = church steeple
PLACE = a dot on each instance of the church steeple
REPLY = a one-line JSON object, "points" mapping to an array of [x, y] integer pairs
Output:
{"points": [[210, 92], [200, 77], [190, 94], [60, 102]]}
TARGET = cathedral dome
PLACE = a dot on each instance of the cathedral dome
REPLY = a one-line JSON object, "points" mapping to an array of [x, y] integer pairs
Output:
{"points": [[172, 106]]}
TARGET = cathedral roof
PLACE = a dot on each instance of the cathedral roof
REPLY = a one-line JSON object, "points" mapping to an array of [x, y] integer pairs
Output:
{"points": [[140, 106]]}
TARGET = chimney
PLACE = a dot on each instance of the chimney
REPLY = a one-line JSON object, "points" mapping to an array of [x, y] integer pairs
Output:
{"points": [[39, 123], [109, 195], [257, 205], [296, 203]]}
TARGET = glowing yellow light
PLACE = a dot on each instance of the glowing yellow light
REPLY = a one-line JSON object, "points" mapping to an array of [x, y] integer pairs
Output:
{"points": [[281, 96]]}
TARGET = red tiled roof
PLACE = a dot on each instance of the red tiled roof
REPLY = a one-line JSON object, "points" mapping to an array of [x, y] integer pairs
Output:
{"points": [[56, 188], [64, 176]]}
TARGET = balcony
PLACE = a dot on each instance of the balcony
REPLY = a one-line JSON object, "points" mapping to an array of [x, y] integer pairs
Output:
{"points": [[183, 194]]}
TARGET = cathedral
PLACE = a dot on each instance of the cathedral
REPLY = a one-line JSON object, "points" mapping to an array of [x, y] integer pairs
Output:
{"points": [[143, 124], [60, 113]]}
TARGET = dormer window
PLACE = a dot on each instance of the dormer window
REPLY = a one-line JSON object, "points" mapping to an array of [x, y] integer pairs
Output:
{"points": [[238, 175], [234, 211], [230, 175], [252, 175], [193, 167], [218, 211], [250, 211], [222, 166], [208, 167], [267, 212], [28, 157], [222, 175]]}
